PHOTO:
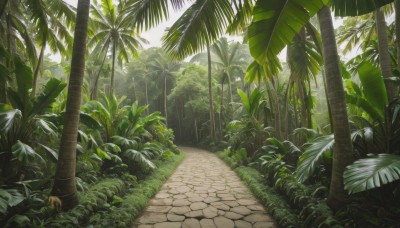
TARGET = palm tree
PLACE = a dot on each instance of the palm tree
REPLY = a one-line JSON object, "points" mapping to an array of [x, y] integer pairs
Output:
{"points": [[113, 32], [384, 55], [53, 20], [343, 150], [64, 181], [163, 68]]}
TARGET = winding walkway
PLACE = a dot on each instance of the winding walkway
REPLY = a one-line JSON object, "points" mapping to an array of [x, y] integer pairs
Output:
{"points": [[204, 193]]}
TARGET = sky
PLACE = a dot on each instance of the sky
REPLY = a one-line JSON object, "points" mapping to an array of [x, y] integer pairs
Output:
{"points": [[153, 35]]}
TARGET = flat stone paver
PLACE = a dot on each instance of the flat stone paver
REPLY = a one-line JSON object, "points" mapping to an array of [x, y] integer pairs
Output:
{"points": [[205, 193]]}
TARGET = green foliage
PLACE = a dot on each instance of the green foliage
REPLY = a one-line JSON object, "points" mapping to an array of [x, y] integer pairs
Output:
{"points": [[97, 197], [316, 152], [372, 172], [274, 25]]}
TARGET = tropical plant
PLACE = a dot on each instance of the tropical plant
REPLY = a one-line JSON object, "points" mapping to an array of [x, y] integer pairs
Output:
{"points": [[22, 122]]}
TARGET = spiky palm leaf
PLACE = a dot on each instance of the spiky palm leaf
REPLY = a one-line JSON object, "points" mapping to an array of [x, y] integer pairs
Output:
{"points": [[200, 25], [356, 8], [313, 156]]}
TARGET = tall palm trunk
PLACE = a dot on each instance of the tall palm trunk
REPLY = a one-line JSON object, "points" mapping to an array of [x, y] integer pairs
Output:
{"points": [[37, 69], [147, 96], [212, 125], [114, 48], [64, 181], [384, 56], [93, 93], [343, 149], [165, 100], [397, 23]]}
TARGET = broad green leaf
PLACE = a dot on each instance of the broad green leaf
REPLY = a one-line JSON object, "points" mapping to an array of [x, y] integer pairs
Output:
{"points": [[358, 101], [25, 154], [137, 156], [89, 121], [372, 172], [102, 154], [23, 76], [312, 157], [8, 119], [373, 86], [9, 198], [53, 154], [355, 8], [245, 100], [48, 95], [275, 23]]}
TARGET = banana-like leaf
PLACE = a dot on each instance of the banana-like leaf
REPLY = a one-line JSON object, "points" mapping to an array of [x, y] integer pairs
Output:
{"points": [[23, 75], [312, 157], [48, 95], [372, 172], [51, 152], [275, 23], [89, 121], [121, 141], [137, 156], [355, 8], [245, 100], [9, 198], [373, 86], [25, 154], [8, 119], [364, 104]]}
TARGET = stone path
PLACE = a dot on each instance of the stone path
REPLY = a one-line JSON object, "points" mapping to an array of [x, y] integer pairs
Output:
{"points": [[204, 193]]}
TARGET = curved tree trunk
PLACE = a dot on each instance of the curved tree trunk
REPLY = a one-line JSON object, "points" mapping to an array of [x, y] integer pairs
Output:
{"points": [[64, 181], [343, 149], [93, 93], [147, 97], [212, 125], [165, 100], [384, 55], [397, 23], [37, 69], [113, 68]]}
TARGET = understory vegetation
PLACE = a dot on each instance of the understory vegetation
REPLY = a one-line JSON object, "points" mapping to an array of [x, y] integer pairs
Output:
{"points": [[305, 108]]}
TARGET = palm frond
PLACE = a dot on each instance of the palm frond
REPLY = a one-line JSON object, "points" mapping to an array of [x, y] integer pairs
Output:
{"points": [[200, 25], [371, 172]]}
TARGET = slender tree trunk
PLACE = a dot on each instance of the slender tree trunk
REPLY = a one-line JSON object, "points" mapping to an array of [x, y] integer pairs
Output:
{"points": [[196, 133], [229, 87], [3, 7], [93, 93], [343, 149], [147, 96], [212, 125], [64, 181], [397, 23], [165, 100], [179, 121], [37, 69], [113, 68], [384, 55]]}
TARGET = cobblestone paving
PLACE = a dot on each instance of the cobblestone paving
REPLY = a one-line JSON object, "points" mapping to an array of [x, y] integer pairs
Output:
{"points": [[204, 193]]}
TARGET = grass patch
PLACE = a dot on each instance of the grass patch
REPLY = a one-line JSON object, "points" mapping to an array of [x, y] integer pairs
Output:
{"points": [[133, 203], [272, 200]]}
